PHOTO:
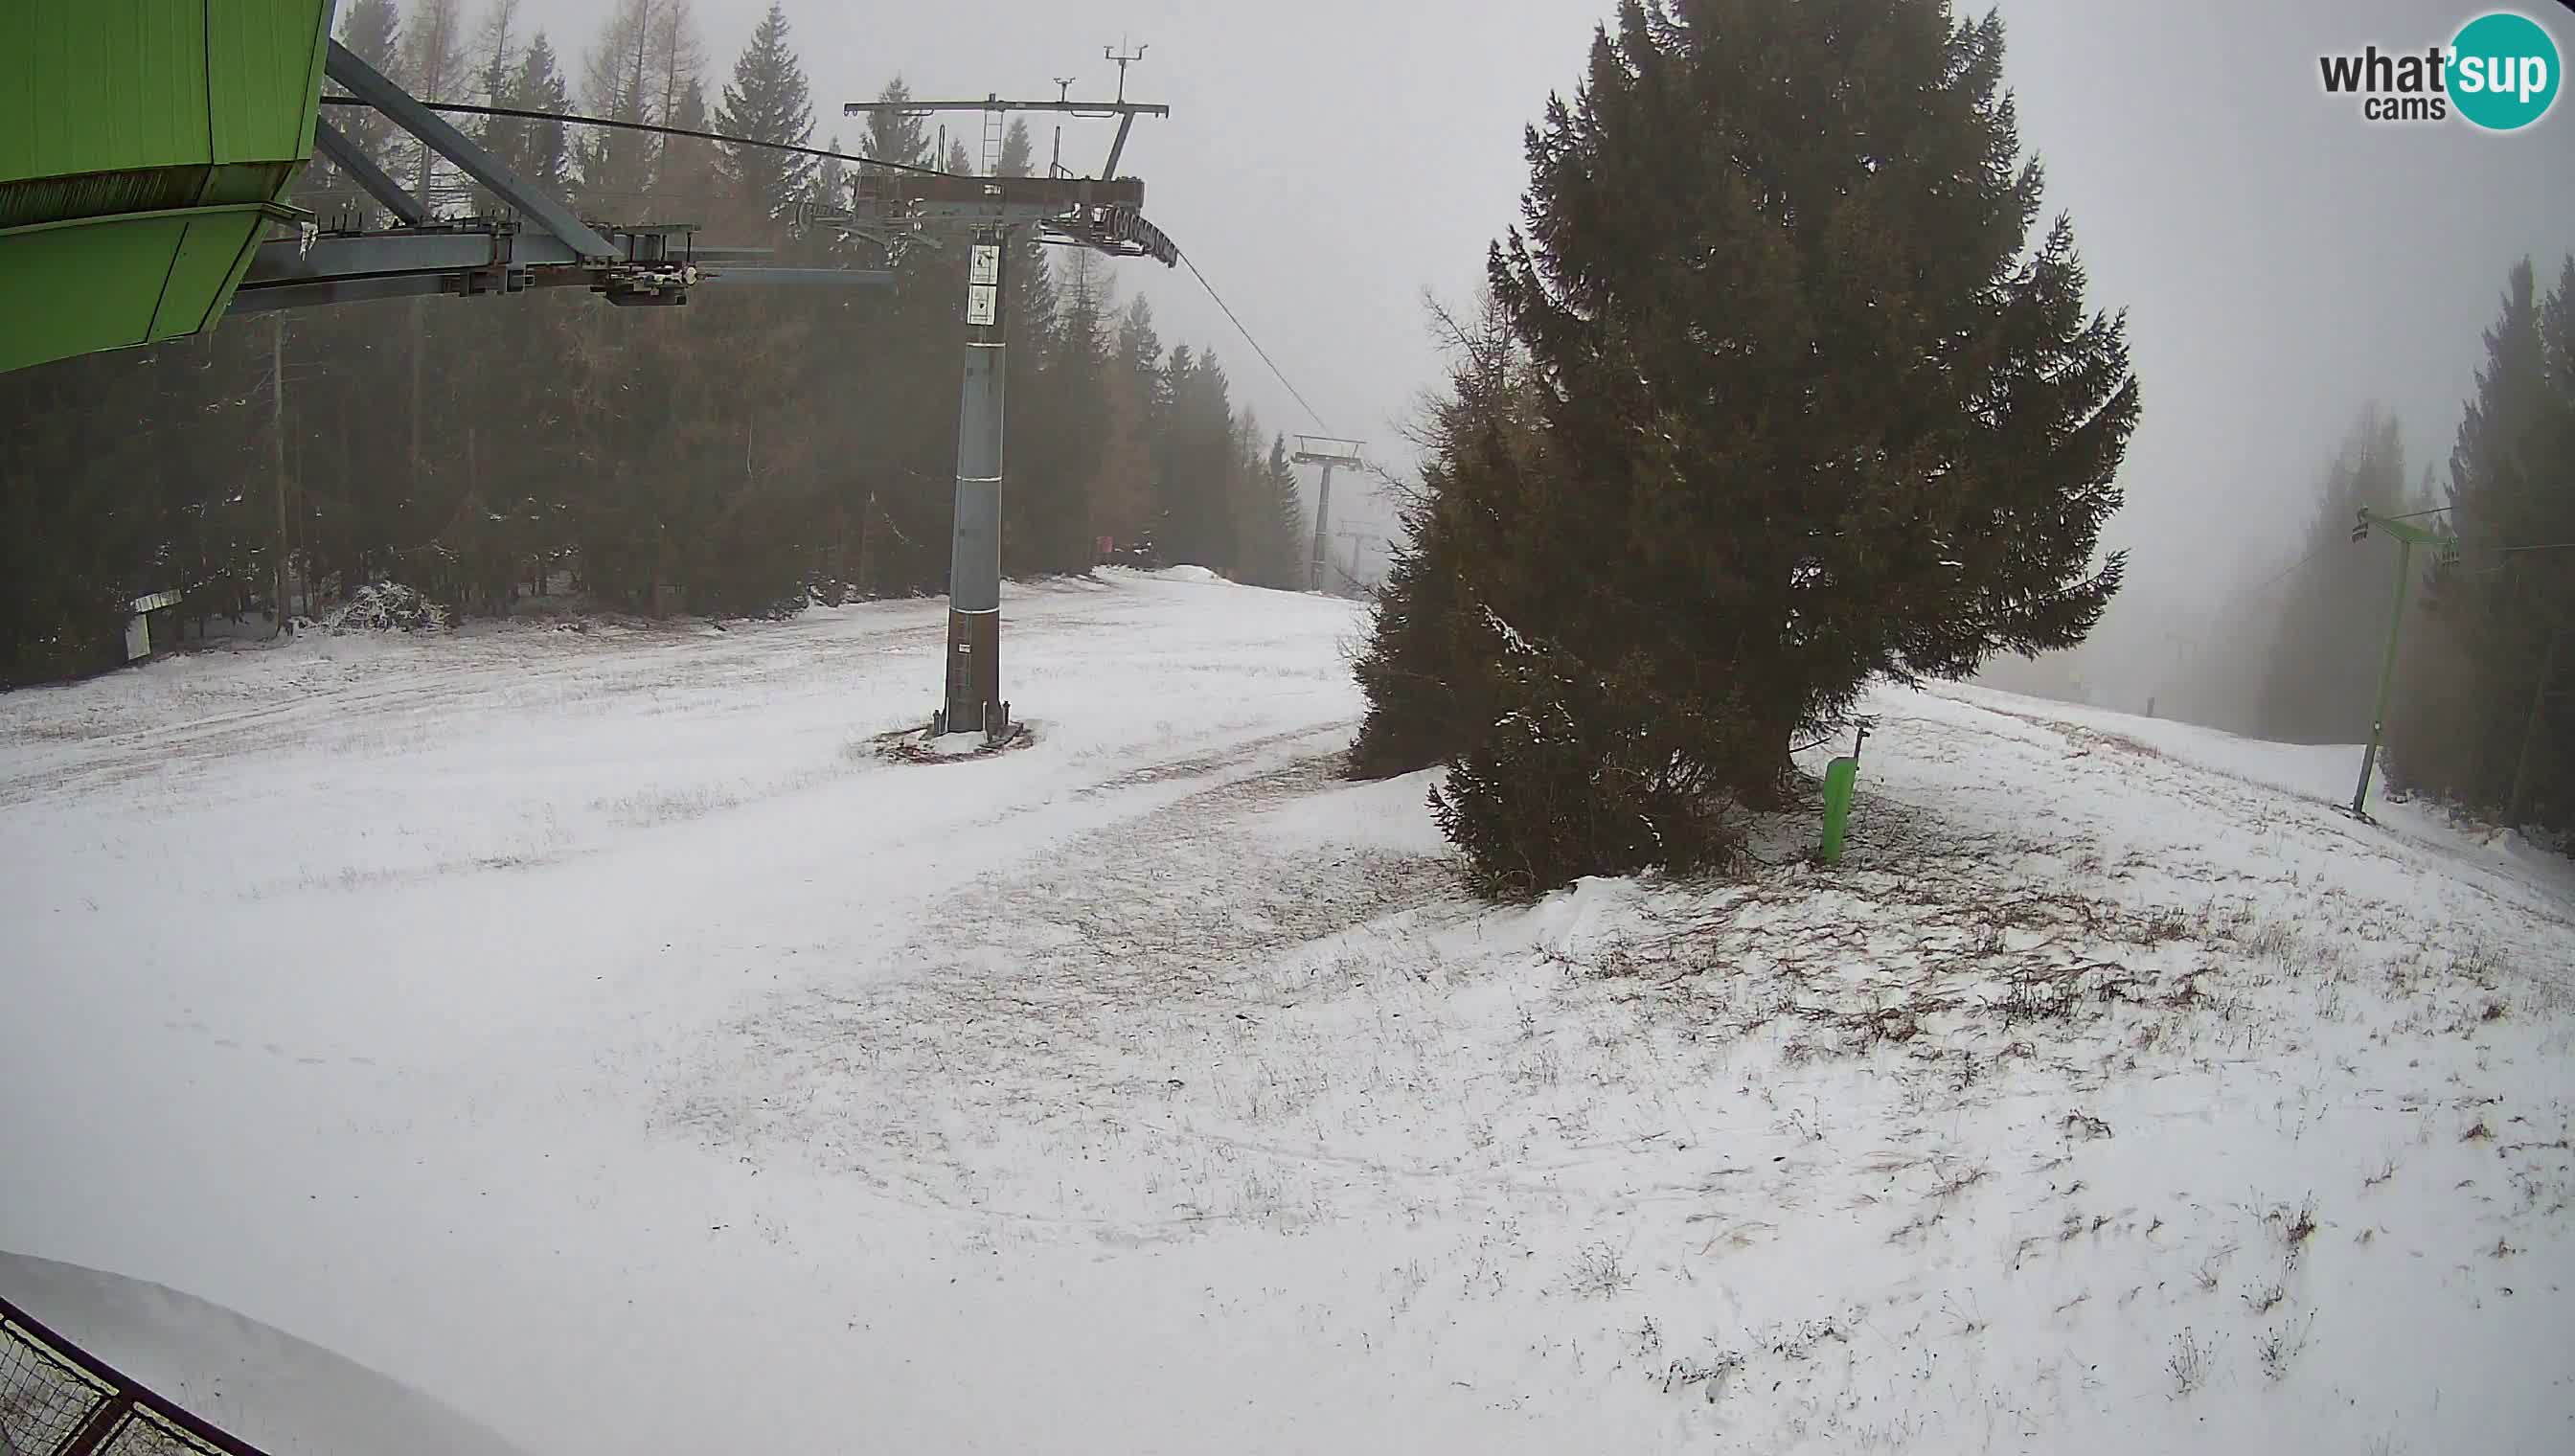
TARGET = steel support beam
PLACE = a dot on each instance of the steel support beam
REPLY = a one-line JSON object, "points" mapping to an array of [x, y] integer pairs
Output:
{"points": [[1323, 513], [995, 103], [973, 691], [369, 85], [1118, 148], [375, 255], [468, 260], [317, 293], [350, 158], [1046, 195], [827, 277]]}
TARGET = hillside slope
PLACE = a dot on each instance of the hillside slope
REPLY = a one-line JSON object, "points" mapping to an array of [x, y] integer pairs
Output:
{"points": [[591, 1029]]}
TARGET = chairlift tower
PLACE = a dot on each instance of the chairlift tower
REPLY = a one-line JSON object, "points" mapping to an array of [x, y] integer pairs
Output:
{"points": [[1103, 213], [1331, 452], [1351, 583], [2408, 537]]}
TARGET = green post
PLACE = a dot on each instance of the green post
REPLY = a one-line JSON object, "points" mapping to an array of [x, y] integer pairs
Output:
{"points": [[2386, 678], [1839, 776]]}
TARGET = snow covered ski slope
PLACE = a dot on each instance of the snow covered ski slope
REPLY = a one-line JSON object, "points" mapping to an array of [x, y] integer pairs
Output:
{"points": [[589, 1029]]}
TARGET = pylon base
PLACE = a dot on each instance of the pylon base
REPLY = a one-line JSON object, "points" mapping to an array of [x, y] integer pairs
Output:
{"points": [[923, 745]]}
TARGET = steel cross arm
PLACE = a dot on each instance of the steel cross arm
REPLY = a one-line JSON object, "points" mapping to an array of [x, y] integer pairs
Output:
{"points": [[2404, 532], [446, 246], [835, 276], [293, 273], [1057, 194], [362, 169], [317, 293], [1331, 450], [973, 214], [399, 106], [995, 103], [465, 261], [872, 217], [1118, 146], [382, 255]]}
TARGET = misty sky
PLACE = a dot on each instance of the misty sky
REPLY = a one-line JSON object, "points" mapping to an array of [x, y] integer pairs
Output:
{"points": [[1326, 161]]}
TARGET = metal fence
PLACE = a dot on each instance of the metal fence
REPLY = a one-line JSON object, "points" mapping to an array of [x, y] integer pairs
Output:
{"points": [[57, 1399]]}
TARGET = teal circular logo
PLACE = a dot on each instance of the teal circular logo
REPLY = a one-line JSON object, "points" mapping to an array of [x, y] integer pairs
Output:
{"points": [[2503, 71]]}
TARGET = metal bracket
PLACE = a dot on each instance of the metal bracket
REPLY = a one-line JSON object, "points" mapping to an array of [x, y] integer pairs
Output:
{"points": [[372, 179], [371, 86]]}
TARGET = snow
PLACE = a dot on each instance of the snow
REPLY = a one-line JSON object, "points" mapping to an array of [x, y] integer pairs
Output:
{"points": [[384, 607], [591, 1029], [284, 1395]]}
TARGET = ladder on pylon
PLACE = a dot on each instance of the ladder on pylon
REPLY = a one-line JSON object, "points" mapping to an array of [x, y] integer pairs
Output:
{"points": [[996, 124]]}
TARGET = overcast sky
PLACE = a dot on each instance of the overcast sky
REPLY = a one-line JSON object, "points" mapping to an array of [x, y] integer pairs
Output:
{"points": [[1329, 160]]}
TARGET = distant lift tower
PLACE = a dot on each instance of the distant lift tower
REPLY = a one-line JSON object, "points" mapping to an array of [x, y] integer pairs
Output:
{"points": [[1104, 214], [1331, 454]]}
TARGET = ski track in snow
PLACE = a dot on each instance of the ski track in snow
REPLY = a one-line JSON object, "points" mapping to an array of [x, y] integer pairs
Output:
{"points": [[589, 1029]]}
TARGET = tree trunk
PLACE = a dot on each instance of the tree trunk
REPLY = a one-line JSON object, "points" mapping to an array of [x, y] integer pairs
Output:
{"points": [[277, 444], [1776, 692], [867, 548], [2518, 802], [1771, 776]]}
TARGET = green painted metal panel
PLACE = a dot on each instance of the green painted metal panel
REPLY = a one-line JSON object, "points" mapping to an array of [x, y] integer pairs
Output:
{"points": [[75, 285], [1840, 776], [101, 85], [264, 62], [213, 249], [111, 283], [160, 130]]}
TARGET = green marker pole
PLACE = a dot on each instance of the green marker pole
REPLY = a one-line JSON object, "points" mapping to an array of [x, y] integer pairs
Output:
{"points": [[1840, 777]]}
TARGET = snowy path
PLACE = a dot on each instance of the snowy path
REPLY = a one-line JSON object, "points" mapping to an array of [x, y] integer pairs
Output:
{"points": [[588, 1030]]}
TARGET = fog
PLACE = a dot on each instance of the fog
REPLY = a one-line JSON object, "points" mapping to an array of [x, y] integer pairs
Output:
{"points": [[2283, 261]]}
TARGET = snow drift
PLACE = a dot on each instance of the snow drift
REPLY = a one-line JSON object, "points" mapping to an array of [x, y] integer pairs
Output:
{"points": [[286, 1396], [596, 1032]]}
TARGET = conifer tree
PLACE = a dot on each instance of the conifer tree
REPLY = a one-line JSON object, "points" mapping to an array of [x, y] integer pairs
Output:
{"points": [[767, 100], [893, 135], [2330, 632], [1810, 415], [2487, 729], [1287, 509], [544, 157], [497, 46], [372, 32]]}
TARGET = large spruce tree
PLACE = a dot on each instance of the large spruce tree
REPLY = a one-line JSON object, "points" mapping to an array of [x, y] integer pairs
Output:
{"points": [[1777, 275], [1425, 668], [1816, 405]]}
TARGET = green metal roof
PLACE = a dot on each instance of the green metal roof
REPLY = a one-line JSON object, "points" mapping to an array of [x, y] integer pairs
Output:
{"points": [[145, 145]]}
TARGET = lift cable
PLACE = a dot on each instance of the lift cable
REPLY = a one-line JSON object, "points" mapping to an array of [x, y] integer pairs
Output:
{"points": [[1275, 370], [522, 114], [574, 119]]}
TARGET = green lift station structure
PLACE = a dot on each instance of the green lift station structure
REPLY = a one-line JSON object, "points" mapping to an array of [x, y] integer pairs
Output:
{"points": [[146, 147]]}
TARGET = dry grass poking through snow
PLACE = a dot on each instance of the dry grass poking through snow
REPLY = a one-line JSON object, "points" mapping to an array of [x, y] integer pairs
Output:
{"points": [[2049, 1120]]}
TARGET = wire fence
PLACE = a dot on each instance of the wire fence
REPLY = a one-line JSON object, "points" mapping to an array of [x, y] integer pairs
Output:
{"points": [[57, 1399]]}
